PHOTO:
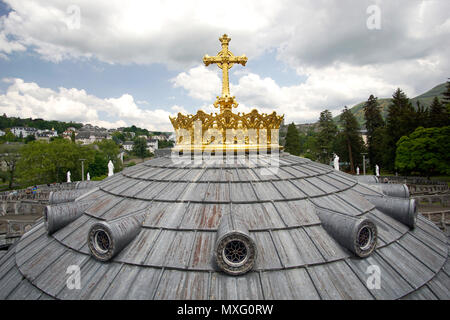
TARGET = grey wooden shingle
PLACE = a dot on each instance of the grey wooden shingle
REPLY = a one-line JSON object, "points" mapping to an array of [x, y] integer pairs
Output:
{"points": [[172, 256]]}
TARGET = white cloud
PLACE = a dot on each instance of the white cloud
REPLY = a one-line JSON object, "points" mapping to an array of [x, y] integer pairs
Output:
{"points": [[169, 32], [7, 46], [327, 87], [28, 99], [318, 32], [200, 82], [328, 41]]}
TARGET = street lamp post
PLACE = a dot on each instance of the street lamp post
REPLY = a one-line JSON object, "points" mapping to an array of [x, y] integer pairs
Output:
{"points": [[82, 169], [324, 151], [364, 163]]}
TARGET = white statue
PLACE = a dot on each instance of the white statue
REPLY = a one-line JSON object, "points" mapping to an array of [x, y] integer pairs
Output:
{"points": [[357, 171], [110, 168], [88, 177], [68, 176], [377, 170], [336, 162]]}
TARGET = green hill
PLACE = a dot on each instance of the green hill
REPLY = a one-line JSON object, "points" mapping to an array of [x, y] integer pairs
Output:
{"points": [[425, 99]]}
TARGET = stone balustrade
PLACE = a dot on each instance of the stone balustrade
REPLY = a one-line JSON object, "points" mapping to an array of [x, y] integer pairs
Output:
{"points": [[427, 189], [412, 180], [433, 199], [440, 217], [22, 207], [15, 228]]}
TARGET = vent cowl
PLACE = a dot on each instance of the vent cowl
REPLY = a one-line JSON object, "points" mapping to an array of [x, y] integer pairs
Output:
{"points": [[235, 251], [107, 239], [403, 210], [359, 235], [59, 215]]}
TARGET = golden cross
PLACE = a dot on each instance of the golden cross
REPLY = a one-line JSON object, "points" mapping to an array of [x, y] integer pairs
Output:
{"points": [[225, 60]]}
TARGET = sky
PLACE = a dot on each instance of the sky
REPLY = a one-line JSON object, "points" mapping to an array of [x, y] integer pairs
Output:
{"points": [[117, 63]]}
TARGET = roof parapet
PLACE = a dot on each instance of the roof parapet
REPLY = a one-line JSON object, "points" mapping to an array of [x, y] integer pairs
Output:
{"points": [[359, 235], [403, 210], [235, 251], [106, 239]]}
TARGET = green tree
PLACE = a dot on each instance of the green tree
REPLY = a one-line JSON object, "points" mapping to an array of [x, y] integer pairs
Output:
{"points": [[400, 121], [9, 136], [110, 151], [374, 121], [30, 138], [10, 155], [446, 99], [99, 167], [422, 116], [310, 147], [140, 148], [47, 162], [292, 144], [118, 137], [350, 137], [438, 114], [326, 136], [165, 144], [425, 151]]}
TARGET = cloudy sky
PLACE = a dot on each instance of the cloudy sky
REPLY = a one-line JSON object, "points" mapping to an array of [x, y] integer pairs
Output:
{"points": [[115, 63]]}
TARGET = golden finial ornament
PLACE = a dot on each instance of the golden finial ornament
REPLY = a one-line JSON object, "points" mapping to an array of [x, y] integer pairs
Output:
{"points": [[225, 61], [226, 130]]}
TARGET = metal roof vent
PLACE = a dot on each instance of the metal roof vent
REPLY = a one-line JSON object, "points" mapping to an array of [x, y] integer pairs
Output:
{"points": [[106, 239], [367, 179], [392, 190], [101, 241], [59, 215], [62, 196], [235, 250], [359, 235], [403, 210], [366, 238]]}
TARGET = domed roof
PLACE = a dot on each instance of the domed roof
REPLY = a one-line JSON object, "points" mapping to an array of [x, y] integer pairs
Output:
{"points": [[156, 231]]}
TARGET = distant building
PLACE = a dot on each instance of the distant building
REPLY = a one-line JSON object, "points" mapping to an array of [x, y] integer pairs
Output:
{"points": [[152, 145], [68, 133], [160, 137], [23, 131], [46, 134], [88, 137], [2, 133], [128, 145]]}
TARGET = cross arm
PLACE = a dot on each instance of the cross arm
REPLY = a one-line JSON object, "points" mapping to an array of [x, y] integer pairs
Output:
{"points": [[239, 59], [207, 60]]}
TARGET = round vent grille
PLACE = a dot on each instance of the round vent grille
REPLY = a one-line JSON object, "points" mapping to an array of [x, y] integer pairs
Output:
{"points": [[235, 253], [101, 242], [365, 238]]}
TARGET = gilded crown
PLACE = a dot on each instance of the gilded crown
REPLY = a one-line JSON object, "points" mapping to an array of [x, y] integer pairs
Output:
{"points": [[226, 130]]}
